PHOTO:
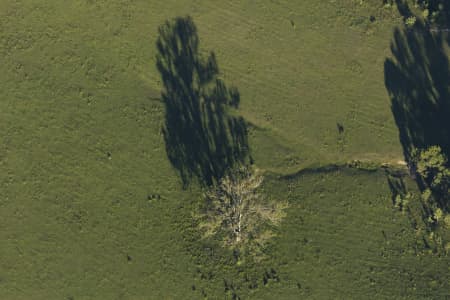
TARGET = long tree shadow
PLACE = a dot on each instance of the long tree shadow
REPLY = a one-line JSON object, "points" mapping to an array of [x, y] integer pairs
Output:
{"points": [[203, 137], [417, 80]]}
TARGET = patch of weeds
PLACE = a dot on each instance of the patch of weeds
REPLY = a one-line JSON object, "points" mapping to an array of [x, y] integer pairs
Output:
{"points": [[369, 166]]}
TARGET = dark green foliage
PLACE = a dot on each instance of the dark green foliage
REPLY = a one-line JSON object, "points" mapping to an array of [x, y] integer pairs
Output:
{"points": [[431, 165], [433, 173], [202, 138]]}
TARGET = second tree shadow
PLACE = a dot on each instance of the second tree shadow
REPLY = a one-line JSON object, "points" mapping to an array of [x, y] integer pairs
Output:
{"points": [[203, 138], [417, 80]]}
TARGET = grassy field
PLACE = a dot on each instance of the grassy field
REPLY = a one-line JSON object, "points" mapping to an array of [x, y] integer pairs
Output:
{"points": [[342, 229], [82, 153]]}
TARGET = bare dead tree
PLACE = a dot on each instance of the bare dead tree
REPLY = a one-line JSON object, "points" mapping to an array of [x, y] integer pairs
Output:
{"points": [[236, 208]]}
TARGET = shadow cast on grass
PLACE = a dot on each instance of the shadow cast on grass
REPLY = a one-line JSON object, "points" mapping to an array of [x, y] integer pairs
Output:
{"points": [[203, 137], [438, 11], [435, 13], [417, 80]]}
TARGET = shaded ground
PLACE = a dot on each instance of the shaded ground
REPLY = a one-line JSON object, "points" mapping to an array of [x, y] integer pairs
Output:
{"points": [[417, 79], [202, 138], [438, 11]]}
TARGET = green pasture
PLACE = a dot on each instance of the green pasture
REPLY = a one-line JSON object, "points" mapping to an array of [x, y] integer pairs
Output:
{"points": [[91, 207]]}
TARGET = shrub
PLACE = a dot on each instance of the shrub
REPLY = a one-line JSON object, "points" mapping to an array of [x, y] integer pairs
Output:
{"points": [[410, 21]]}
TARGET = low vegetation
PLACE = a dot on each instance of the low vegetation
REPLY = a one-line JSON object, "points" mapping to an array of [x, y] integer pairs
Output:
{"points": [[312, 164]]}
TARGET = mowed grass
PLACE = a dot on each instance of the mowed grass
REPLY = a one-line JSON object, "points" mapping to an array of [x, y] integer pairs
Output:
{"points": [[82, 150]]}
